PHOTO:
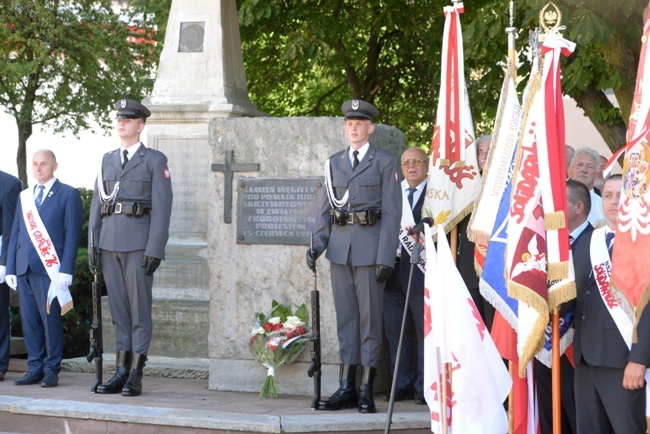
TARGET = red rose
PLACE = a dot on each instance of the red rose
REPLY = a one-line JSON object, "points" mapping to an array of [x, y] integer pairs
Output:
{"points": [[267, 327], [290, 334], [277, 327], [300, 331]]}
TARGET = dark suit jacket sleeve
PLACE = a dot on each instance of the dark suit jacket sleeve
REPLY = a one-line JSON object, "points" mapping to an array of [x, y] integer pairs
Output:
{"points": [[13, 242], [74, 215], [161, 209], [8, 211]]}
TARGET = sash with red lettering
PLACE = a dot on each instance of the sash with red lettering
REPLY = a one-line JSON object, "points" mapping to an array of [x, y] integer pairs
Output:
{"points": [[46, 252]]}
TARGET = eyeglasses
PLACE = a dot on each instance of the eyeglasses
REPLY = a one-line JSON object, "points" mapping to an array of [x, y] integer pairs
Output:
{"points": [[409, 162]]}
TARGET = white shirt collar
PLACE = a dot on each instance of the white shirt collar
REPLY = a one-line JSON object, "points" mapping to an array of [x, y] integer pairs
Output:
{"points": [[362, 152], [577, 231], [48, 186], [131, 150]]}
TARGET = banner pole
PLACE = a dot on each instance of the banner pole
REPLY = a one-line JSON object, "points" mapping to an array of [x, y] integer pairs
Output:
{"points": [[555, 371]]}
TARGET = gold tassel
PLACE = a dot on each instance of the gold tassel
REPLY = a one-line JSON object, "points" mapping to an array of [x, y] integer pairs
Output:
{"points": [[557, 270], [554, 221], [444, 162]]}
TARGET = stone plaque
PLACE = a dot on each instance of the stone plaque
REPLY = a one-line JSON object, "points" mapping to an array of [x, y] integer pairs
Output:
{"points": [[277, 211], [191, 37]]}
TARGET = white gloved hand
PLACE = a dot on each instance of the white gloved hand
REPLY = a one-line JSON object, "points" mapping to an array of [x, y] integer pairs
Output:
{"points": [[65, 280], [11, 281], [3, 273]]}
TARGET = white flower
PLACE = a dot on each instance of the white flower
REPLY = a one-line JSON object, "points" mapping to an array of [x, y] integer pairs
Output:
{"points": [[275, 320], [293, 322], [257, 331]]}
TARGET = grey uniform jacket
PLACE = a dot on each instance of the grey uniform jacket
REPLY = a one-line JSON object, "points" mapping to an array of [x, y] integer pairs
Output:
{"points": [[145, 179], [374, 184]]}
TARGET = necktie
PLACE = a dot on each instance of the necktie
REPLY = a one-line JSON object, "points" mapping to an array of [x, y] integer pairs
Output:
{"points": [[609, 239], [39, 197], [126, 158], [355, 154], [410, 195]]}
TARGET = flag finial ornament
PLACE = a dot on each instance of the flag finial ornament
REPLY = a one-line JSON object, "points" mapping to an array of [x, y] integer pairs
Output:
{"points": [[550, 18]]}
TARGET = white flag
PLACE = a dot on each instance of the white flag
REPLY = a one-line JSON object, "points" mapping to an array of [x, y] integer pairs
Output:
{"points": [[477, 379]]}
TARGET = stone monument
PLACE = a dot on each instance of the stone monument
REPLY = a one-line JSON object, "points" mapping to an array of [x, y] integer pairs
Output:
{"points": [[200, 76], [263, 203]]}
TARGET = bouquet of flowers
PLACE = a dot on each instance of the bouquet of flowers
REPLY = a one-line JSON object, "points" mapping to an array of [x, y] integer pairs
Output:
{"points": [[277, 339]]}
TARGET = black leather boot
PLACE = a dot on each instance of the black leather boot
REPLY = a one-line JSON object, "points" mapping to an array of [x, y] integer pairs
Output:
{"points": [[123, 365], [366, 400], [133, 386], [346, 395]]}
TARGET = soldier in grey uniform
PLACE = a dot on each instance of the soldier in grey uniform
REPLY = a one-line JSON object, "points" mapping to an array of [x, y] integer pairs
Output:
{"points": [[359, 226], [129, 226]]}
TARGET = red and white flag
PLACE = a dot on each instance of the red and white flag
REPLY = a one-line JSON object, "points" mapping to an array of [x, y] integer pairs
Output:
{"points": [[453, 168], [631, 277], [538, 269], [476, 382]]}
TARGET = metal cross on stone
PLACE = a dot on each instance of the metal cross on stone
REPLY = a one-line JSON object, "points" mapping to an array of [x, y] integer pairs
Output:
{"points": [[228, 169]]}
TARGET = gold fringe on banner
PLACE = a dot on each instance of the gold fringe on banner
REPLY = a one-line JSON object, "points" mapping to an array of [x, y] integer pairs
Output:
{"points": [[557, 270], [536, 341], [563, 293], [444, 162], [554, 220]]}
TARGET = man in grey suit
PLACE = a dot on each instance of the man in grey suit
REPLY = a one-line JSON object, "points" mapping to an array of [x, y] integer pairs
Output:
{"points": [[10, 188], [359, 226], [129, 226]]}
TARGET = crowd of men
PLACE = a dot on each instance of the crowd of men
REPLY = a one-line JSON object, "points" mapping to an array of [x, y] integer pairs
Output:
{"points": [[365, 214]]}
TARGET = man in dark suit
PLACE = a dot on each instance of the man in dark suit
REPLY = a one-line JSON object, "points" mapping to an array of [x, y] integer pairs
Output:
{"points": [[50, 215], [578, 208], [358, 225], [129, 220], [10, 188], [610, 369], [410, 376]]}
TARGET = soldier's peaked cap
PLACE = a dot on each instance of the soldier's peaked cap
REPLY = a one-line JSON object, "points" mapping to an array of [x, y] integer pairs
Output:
{"points": [[130, 109], [359, 109]]}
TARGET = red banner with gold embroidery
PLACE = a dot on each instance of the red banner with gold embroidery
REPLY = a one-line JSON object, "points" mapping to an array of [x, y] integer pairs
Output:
{"points": [[631, 277]]}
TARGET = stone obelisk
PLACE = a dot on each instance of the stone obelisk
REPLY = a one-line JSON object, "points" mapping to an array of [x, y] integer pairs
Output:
{"points": [[200, 76]]}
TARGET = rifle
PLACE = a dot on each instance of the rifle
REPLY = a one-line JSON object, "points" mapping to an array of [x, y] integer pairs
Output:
{"points": [[96, 342], [315, 366]]}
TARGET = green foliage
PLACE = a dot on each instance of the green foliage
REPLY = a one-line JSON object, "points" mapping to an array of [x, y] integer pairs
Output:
{"points": [[305, 58], [65, 62]]}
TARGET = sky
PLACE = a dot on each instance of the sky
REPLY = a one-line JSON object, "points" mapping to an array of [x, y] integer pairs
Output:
{"points": [[78, 158]]}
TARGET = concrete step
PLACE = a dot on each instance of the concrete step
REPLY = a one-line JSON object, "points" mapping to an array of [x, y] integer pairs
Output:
{"points": [[170, 405]]}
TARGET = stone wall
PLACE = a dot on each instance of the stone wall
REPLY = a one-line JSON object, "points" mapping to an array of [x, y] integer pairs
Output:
{"points": [[245, 278]]}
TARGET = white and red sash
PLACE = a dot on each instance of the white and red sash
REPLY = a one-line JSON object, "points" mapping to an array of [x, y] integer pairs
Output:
{"points": [[409, 241], [46, 252], [618, 306], [601, 266]]}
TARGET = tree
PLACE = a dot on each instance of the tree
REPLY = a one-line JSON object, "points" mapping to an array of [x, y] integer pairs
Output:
{"points": [[304, 58], [608, 36], [66, 62]]}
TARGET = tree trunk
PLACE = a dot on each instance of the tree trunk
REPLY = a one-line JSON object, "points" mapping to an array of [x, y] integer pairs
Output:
{"points": [[592, 100], [24, 133]]}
